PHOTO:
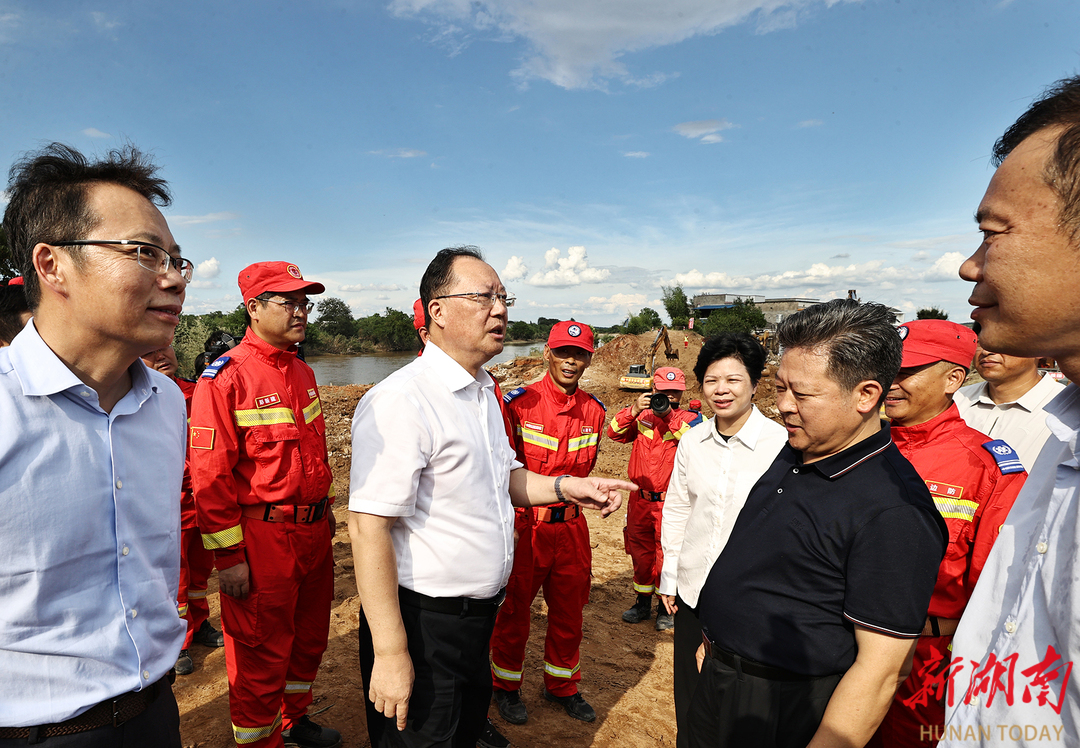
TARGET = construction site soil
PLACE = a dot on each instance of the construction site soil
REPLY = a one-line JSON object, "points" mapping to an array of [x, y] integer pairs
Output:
{"points": [[626, 668]]}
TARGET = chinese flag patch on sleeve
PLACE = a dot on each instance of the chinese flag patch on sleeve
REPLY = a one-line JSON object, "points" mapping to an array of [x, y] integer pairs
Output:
{"points": [[202, 437]]}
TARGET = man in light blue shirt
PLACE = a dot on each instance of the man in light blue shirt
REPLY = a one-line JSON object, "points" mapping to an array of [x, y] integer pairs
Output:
{"points": [[91, 458]]}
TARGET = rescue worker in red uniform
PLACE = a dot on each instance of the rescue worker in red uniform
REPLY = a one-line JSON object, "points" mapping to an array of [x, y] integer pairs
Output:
{"points": [[196, 562], [655, 433], [556, 427], [263, 490], [974, 481]]}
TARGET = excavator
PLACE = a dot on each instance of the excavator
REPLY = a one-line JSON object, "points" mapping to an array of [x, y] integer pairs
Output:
{"points": [[640, 375]]}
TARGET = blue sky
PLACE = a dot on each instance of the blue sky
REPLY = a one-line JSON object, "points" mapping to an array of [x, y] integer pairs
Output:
{"points": [[596, 150]]}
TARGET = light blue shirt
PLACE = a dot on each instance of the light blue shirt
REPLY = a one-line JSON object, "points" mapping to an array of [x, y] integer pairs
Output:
{"points": [[1027, 600], [89, 535]]}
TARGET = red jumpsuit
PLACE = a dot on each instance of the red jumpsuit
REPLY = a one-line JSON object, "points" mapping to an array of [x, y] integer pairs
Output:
{"points": [[974, 482], [554, 434], [258, 439], [196, 562], [655, 438]]}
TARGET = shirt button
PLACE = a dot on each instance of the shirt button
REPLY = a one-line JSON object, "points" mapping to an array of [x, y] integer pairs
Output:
{"points": [[146, 674], [84, 393], [974, 701], [1010, 626], [779, 490], [125, 551], [795, 470], [134, 613], [119, 483], [1042, 547]]}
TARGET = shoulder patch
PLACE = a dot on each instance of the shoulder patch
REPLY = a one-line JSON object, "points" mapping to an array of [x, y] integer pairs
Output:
{"points": [[594, 397], [1005, 456], [698, 418], [212, 370], [517, 392]]}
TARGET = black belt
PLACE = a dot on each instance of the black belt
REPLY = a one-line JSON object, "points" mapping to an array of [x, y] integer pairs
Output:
{"points": [[751, 667], [112, 712], [298, 513], [454, 606], [653, 495]]}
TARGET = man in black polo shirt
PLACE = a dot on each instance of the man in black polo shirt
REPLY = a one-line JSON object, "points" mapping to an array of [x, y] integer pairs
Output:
{"points": [[813, 608]]}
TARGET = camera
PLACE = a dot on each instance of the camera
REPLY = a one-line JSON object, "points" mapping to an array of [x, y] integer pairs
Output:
{"points": [[659, 403], [216, 345]]}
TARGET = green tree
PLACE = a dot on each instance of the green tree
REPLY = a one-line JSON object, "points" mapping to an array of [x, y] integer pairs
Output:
{"points": [[335, 317], [931, 313], [677, 306], [645, 320], [8, 268], [521, 330], [393, 330], [743, 316]]}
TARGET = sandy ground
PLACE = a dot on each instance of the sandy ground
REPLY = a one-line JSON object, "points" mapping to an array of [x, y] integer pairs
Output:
{"points": [[626, 669]]}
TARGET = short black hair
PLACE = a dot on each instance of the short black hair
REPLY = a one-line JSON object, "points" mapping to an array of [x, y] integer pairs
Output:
{"points": [[440, 274], [47, 203], [860, 339], [738, 345], [12, 306]]}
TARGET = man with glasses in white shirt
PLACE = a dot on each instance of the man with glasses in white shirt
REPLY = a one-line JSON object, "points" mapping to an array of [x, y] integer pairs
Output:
{"points": [[431, 520], [91, 458]]}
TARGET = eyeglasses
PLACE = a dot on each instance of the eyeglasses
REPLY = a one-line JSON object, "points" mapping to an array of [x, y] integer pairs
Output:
{"points": [[292, 307], [486, 300], [149, 256]]}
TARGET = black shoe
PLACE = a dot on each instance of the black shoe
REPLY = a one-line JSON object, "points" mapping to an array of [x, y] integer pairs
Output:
{"points": [[208, 636], [511, 707], [492, 738], [641, 611], [575, 705], [184, 665], [664, 621], [306, 734]]}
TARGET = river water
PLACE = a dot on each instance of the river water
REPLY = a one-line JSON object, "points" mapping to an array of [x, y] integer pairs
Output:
{"points": [[368, 368]]}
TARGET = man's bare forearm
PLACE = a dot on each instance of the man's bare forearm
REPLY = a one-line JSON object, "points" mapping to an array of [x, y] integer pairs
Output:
{"points": [[375, 565]]}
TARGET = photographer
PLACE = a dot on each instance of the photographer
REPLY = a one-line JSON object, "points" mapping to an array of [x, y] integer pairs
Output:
{"points": [[655, 423]]}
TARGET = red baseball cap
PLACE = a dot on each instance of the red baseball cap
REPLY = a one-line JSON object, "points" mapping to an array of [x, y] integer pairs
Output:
{"points": [[927, 341], [669, 378], [281, 277], [571, 333], [418, 314]]}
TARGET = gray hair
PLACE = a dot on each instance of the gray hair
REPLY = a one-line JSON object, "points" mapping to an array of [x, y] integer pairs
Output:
{"points": [[860, 340]]}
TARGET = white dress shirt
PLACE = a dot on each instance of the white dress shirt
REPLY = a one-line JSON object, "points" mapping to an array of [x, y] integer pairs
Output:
{"points": [[1021, 424], [1027, 599], [89, 535], [709, 485], [429, 447]]}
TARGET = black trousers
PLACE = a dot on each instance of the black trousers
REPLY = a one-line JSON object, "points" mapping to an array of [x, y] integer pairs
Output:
{"points": [[157, 727], [452, 687], [687, 641], [731, 709]]}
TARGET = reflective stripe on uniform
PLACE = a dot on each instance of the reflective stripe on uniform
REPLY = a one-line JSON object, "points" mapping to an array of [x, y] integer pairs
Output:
{"points": [[514, 675], [678, 433], [560, 672], [581, 442], [333, 490], [312, 411], [223, 538], [644, 589], [615, 425], [296, 686], [263, 416], [645, 431], [955, 508], [196, 594], [245, 735], [181, 610], [539, 440]]}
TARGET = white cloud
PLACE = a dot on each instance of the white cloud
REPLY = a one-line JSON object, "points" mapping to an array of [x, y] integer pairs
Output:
{"points": [[400, 153], [207, 218], [635, 154], [515, 269], [93, 132], [5, 198], [945, 268], [576, 44], [357, 287], [203, 284], [208, 268], [571, 270], [706, 129], [103, 22], [811, 123], [382, 297], [618, 303]]}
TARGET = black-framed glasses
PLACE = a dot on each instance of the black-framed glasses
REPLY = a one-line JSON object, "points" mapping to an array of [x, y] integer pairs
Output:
{"points": [[292, 307], [149, 256], [486, 300]]}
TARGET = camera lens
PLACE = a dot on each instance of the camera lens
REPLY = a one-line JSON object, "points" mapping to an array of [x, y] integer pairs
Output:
{"points": [[659, 403]]}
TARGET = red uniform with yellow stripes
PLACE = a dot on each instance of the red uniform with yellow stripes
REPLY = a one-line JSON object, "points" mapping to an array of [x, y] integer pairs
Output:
{"points": [[258, 438], [655, 438], [974, 496], [196, 562], [554, 434]]}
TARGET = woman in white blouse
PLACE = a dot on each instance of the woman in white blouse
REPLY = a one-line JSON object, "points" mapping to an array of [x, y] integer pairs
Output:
{"points": [[717, 463]]}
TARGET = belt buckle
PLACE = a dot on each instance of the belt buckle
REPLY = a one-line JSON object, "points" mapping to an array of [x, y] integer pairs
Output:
{"points": [[558, 514]]}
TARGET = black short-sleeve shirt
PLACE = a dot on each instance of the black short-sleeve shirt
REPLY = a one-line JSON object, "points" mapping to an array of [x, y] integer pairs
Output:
{"points": [[852, 538]]}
